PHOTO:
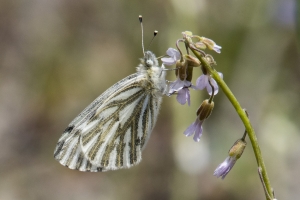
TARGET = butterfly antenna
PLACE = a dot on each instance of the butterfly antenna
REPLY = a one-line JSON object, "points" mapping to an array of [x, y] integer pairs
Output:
{"points": [[155, 33], [141, 22]]}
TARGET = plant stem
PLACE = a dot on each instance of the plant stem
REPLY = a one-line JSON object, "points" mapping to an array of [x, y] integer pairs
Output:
{"points": [[244, 118]]}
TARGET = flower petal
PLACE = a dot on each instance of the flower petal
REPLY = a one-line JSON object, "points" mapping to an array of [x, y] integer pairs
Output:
{"points": [[198, 131], [187, 83], [217, 48], [173, 53], [221, 75], [190, 130], [215, 85], [176, 86], [201, 82], [182, 96], [224, 168], [194, 87], [188, 96], [168, 61]]}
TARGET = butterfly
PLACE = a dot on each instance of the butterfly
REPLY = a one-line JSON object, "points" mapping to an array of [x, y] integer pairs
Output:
{"points": [[112, 131]]}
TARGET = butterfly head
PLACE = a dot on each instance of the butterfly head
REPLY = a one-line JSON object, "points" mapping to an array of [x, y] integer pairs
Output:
{"points": [[150, 59]]}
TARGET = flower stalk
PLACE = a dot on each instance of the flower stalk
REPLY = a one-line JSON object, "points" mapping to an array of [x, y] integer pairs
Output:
{"points": [[242, 115]]}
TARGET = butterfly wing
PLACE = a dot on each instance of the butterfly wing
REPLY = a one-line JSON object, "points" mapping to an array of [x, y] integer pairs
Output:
{"points": [[111, 132]]}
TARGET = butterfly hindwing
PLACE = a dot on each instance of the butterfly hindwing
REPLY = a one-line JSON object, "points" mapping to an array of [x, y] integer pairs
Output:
{"points": [[112, 136], [113, 140]]}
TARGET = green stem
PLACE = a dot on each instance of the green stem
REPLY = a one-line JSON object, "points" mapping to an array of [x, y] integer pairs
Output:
{"points": [[244, 118]]}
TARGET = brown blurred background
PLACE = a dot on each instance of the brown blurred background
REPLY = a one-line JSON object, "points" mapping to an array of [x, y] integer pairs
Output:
{"points": [[57, 56]]}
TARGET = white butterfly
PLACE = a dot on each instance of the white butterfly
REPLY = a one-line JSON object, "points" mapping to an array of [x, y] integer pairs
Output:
{"points": [[112, 131]]}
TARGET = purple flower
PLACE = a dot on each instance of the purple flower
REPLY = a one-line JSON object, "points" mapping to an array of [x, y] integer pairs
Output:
{"points": [[224, 168], [177, 85], [196, 128], [203, 113], [217, 48], [173, 54], [235, 153], [202, 82], [182, 89], [183, 96]]}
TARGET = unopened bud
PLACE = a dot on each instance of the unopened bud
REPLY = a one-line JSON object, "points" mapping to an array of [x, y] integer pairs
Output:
{"points": [[200, 45], [237, 149], [187, 35], [210, 59], [192, 61], [210, 44], [205, 110]]}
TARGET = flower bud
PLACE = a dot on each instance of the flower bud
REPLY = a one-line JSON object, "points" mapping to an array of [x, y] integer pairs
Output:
{"points": [[192, 61], [210, 59], [210, 44], [205, 110], [237, 149], [187, 35], [200, 45]]}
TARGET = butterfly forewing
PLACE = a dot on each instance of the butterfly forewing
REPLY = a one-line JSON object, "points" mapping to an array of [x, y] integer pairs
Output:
{"points": [[111, 132]]}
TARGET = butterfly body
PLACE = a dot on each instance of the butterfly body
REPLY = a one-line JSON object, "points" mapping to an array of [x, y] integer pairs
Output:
{"points": [[112, 131]]}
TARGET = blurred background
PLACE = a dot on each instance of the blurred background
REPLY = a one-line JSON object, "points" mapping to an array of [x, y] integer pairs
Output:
{"points": [[57, 56]]}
